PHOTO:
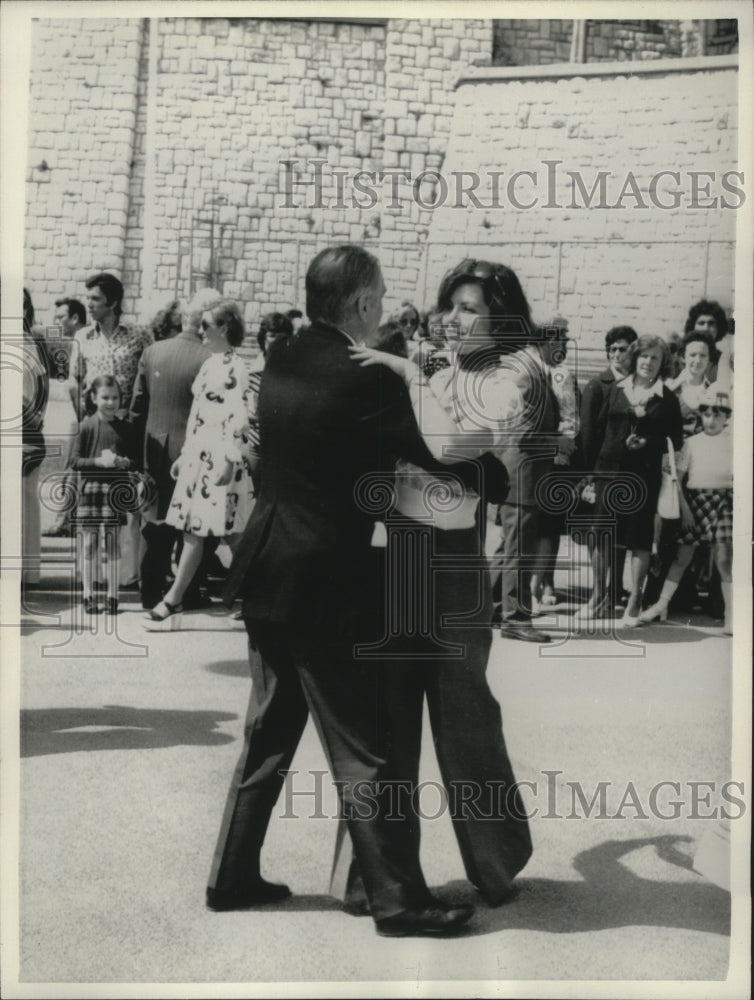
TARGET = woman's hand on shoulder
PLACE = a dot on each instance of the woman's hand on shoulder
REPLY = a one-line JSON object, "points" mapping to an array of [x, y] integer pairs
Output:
{"points": [[367, 356]]}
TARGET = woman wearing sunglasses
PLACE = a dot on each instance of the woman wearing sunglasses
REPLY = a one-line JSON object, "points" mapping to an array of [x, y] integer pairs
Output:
{"points": [[443, 635], [706, 503], [213, 495]]}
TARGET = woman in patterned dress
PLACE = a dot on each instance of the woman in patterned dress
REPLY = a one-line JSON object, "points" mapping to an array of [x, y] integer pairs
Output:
{"points": [[213, 495]]}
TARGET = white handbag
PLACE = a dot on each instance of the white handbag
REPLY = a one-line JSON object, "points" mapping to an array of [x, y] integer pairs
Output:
{"points": [[668, 504]]}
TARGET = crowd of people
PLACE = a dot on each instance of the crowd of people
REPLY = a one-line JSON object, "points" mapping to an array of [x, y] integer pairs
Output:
{"points": [[344, 466], [165, 445]]}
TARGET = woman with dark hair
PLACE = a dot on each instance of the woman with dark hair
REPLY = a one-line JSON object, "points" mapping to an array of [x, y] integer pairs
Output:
{"points": [[441, 629], [168, 321], [699, 353], [213, 494], [640, 414]]}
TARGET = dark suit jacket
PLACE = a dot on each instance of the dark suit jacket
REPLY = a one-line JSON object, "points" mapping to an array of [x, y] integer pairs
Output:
{"points": [[532, 455], [327, 427], [661, 420], [591, 429], [161, 403]]}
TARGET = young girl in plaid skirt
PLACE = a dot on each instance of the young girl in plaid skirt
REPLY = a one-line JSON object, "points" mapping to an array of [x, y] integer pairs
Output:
{"points": [[706, 503], [102, 452]]}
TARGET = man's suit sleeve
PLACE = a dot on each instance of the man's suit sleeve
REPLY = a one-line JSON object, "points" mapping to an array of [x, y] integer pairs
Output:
{"points": [[591, 434], [398, 432]]}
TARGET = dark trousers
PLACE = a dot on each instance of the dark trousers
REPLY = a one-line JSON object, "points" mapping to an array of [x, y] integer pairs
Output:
{"points": [[513, 562], [297, 671], [467, 728]]}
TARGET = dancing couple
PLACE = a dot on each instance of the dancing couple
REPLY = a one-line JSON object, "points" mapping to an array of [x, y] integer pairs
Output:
{"points": [[333, 419]]}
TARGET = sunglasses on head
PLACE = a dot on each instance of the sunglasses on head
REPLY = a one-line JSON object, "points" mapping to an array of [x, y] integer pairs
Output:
{"points": [[483, 270], [715, 410]]}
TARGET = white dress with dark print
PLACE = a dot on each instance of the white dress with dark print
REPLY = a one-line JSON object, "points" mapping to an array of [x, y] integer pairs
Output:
{"points": [[214, 433]]}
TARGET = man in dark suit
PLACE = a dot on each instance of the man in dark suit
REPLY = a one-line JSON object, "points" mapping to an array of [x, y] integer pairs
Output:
{"points": [[312, 592], [159, 410], [527, 460], [591, 433]]}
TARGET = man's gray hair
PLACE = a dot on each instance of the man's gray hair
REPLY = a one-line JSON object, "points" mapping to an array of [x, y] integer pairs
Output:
{"points": [[335, 278]]}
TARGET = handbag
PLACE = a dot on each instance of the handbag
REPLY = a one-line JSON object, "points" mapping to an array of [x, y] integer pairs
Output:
{"points": [[668, 504]]}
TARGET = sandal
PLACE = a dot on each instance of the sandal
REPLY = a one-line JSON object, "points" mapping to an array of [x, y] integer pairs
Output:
{"points": [[90, 606], [111, 606], [160, 612]]}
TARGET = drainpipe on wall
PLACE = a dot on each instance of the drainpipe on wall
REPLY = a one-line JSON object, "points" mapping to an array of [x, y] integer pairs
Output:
{"points": [[149, 229], [578, 42]]}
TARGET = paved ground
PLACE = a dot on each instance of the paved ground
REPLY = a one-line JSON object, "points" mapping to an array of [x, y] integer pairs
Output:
{"points": [[126, 755], [129, 739]]}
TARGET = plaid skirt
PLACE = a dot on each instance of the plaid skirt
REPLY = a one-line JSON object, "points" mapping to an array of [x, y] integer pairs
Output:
{"points": [[713, 516], [104, 499]]}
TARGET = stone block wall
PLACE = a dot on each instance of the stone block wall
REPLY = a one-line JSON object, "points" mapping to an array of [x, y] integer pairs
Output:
{"points": [[84, 102], [229, 99], [161, 137], [598, 260], [538, 42]]}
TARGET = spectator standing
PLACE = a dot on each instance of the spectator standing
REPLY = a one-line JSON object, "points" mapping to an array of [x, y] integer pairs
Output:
{"points": [[160, 408], [70, 317], [108, 347], [34, 395], [611, 562], [102, 452], [640, 415], [213, 495], [706, 504]]}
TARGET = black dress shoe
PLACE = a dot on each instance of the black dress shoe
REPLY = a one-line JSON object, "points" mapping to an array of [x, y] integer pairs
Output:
{"points": [[525, 633], [429, 921], [257, 894]]}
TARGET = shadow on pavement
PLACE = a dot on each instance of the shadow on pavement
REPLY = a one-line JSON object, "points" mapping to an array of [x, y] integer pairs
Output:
{"points": [[230, 668], [609, 896], [117, 727]]}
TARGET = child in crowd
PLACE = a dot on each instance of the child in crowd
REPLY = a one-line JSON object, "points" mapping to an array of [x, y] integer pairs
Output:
{"points": [[706, 503], [102, 452]]}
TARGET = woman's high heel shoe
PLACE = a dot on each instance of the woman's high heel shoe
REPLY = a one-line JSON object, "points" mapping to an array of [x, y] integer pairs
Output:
{"points": [[658, 610], [162, 611], [630, 621]]}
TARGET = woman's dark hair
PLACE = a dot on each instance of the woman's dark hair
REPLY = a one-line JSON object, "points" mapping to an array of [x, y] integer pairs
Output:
{"points": [[645, 343], [699, 336], [617, 333], [167, 322], [391, 340], [227, 313], [276, 323], [512, 326], [707, 308], [104, 382]]}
